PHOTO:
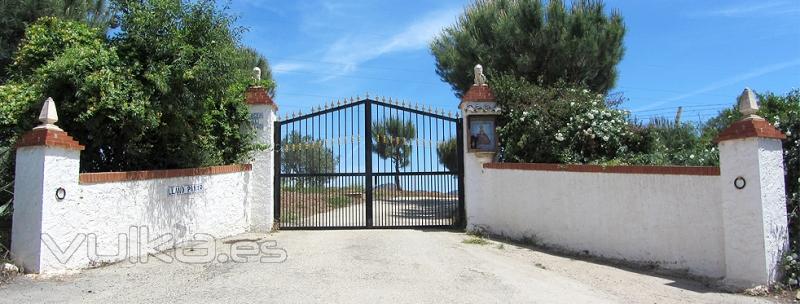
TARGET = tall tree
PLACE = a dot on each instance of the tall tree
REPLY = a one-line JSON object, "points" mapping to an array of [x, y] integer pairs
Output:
{"points": [[393, 142], [448, 154], [541, 43], [303, 154], [163, 92], [18, 14]]}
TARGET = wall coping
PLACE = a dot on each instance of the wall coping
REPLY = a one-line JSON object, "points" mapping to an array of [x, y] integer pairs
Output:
{"points": [[110, 177], [660, 170], [48, 138], [748, 128]]}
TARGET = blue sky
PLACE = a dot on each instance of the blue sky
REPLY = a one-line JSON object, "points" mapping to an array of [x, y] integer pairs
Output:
{"points": [[696, 54]]}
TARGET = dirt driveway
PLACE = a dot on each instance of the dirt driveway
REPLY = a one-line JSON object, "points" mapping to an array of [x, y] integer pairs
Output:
{"points": [[370, 266]]}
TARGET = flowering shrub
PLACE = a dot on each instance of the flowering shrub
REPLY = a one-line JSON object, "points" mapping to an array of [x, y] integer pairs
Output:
{"points": [[561, 124], [791, 269], [784, 113]]}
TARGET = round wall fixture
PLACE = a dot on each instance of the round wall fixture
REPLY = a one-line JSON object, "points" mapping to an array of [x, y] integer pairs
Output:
{"points": [[739, 183], [61, 193]]}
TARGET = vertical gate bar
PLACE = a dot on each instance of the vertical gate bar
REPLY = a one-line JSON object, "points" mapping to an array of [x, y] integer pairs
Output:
{"points": [[437, 178], [311, 190], [320, 162], [358, 133], [368, 159], [327, 218], [305, 190], [328, 182], [293, 181], [461, 209], [337, 218], [276, 182], [351, 143]]}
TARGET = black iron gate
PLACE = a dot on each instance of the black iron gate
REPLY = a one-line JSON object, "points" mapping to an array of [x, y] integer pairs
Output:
{"points": [[369, 164]]}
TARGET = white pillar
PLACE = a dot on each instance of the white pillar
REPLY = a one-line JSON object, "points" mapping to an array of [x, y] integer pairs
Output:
{"points": [[477, 101], [753, 198], [46, 182], [262, 115]]}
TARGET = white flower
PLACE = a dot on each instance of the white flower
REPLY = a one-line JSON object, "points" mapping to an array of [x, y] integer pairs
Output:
{"points": [[605, 138], [536, 122], [691, 156], [788, 133], [572, 103], [559, 136], [590, 115]]}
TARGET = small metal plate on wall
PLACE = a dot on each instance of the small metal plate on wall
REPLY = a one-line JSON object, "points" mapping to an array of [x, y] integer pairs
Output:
{"points": [[739, 183]]}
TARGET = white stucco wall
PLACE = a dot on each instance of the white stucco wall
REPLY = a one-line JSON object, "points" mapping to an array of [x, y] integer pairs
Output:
{"points": [[673, 221], [756, 227], [113, 221]]}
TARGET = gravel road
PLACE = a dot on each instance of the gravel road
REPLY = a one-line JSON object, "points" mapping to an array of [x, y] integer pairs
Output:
{"points": [[368, 266]]}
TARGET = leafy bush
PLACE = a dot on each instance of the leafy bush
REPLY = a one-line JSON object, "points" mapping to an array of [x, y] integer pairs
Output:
{"points": [[560, 124], [339, 201], [669, 143], [164, 92]]}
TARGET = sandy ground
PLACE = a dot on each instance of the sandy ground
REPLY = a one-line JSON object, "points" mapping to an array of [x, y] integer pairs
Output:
{"points": [[369, 266]]}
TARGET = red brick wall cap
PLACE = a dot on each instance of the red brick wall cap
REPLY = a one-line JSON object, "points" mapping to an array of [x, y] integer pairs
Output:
{"points": [[658, 170], [748, 128], [110, 177], [49, 138], [478, 93], [258, 96]]}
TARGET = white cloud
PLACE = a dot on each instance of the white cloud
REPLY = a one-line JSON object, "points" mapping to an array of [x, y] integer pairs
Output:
{"points": [[289, 66], [728, 81], [351, 51], [755, 9]]}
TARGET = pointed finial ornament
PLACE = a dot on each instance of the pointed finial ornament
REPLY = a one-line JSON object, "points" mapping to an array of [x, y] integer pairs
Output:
{"points": [[480, 79], [367, 95], [48, 116], [748, 104]]}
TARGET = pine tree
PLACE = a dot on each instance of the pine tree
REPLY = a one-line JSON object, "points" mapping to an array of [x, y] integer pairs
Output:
{"points": [[542, 43]]}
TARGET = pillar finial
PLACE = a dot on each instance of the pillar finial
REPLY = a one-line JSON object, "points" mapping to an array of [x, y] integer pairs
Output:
{"points": [[480, 79], [48, 116], [257, 75], [748, 104]]}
